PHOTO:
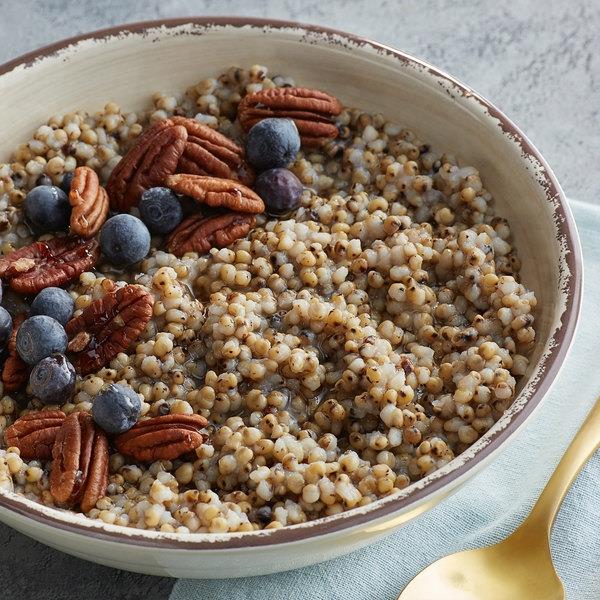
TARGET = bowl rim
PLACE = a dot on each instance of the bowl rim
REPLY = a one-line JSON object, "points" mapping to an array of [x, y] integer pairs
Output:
{"points": [[386, 507]]}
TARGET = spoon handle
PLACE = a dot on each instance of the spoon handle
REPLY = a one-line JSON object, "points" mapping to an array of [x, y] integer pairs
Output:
{"points": [[584, 444]]}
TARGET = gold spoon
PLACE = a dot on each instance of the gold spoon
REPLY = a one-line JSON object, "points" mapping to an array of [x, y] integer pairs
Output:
{"points": [[520, 567]]}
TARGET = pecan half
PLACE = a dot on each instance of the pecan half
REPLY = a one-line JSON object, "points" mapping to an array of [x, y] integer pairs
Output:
{"points": [[89, 201], [54, 262], [215, 192], [162, 438], [112, 323], [312, 111], [208, 152], [14, 371], [199, 234], [154, 156], [34, 433], [79, 462]]}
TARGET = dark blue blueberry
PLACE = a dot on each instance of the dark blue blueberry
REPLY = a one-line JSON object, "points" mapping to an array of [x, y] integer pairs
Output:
{"points": [[65, 184], [6, 326], [47, 209], [116, 408], [124, 240], [52, 380], [280, 190], [40, 336], [272, 143], [53, 302], [161, 210]]}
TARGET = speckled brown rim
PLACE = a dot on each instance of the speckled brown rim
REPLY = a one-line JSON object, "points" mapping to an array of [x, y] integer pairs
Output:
{"points": [[380, 509]]}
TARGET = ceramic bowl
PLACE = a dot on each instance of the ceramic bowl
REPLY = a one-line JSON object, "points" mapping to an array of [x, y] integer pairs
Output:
{"points": [[127, 64]]}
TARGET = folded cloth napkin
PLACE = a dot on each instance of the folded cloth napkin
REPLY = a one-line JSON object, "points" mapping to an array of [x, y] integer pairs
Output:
{"points": [[487, 508]]}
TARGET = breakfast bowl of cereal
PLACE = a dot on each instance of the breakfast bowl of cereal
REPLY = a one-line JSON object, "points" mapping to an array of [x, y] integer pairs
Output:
{"points": [[270, 291]]}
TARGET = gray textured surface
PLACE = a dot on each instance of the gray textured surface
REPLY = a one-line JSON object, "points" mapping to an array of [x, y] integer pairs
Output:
{"points": [[538, 62]]}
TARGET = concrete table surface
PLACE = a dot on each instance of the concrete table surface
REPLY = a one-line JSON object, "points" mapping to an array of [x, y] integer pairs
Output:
{"points": [[538, 62]]}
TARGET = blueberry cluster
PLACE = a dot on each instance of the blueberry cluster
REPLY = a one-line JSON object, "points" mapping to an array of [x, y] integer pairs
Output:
{"points": [[41, 340], [124, 239], [271, 147]]}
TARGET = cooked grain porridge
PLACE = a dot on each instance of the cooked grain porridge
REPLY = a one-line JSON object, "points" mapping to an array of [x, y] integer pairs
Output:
{"points": [[332, 354]]}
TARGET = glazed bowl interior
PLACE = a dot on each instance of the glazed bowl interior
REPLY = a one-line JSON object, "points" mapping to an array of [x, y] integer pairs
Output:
{"points": [[129, 66]]}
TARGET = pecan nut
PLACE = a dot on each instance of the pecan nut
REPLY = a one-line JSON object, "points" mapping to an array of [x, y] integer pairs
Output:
{"points": [[112, 323], [208, 152], [217, 193], [154, 156], [312, 111], [79, 462], [14, 371], [54, 262], [34, 434], [162, 438], [199, 233], [89, 201]]}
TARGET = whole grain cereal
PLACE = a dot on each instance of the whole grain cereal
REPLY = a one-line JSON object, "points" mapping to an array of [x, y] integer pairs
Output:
{"points": [[338, 353]]}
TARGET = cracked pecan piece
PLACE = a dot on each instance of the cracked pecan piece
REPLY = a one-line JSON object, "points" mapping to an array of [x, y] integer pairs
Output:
{"points": [[34, 434], [217, 193], [14, 371], [162, 438], [79, 462], [155, 155], [199, 233], [89, 201], [313, 111], [208, 152], [54, 262], [107, 326]]}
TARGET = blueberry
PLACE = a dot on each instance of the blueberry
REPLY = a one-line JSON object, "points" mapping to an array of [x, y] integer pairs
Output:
{"points": [[53, 302], [47, 209], [65, 184], [280, 190], [161, 210], [124, 240], [272, 143], [52, 380], [6, 326], [40, 336], [116, 408]]}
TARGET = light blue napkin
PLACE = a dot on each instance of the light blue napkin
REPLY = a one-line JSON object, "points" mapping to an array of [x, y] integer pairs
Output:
{"points": [[490, 506]]}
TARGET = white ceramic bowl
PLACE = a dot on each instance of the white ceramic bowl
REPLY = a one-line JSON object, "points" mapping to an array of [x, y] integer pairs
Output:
{"points": [[127, 64]]}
